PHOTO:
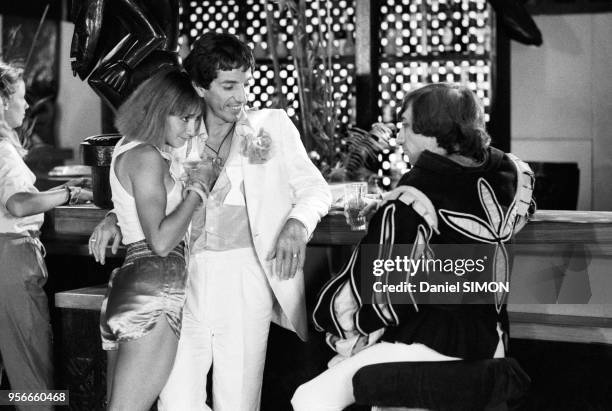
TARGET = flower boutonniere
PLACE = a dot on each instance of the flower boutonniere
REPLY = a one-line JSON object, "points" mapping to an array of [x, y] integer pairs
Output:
{"points": [[255, 145]]}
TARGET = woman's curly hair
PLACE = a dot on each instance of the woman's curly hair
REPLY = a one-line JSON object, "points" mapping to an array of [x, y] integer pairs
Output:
{"points": [[10, 75], [216, 51], [453, 115]]}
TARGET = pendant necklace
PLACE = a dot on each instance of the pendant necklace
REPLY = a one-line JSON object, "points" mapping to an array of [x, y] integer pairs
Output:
{"points": [[217, 160]]}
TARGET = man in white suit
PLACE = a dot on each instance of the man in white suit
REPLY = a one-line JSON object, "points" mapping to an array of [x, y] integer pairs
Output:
{"points": [[248, 246]]}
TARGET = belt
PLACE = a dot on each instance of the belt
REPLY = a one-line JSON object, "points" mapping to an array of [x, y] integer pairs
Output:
{"points": [[30, 236]]}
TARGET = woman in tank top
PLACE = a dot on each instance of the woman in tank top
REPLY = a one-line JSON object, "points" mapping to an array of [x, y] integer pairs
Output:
{"points": [[141, 314], [25, 330]]}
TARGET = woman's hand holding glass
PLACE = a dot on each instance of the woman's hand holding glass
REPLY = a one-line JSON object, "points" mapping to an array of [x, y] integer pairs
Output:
{"points": [[79, 195], [199, 176], [78, 189]]}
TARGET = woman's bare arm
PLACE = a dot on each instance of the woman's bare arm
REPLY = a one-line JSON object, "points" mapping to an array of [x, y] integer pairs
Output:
{"points": [[146, 170]]}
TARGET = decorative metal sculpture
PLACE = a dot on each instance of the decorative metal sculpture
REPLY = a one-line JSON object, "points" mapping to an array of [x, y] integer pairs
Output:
{"points": [[117, 44], [517, 22]]}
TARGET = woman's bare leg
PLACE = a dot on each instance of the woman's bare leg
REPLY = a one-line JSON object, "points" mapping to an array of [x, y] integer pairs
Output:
{"points": [[142, 368], [111, 361]]}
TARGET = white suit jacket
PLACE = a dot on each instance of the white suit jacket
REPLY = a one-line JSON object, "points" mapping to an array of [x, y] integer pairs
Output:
{"points": [[288, 185]]}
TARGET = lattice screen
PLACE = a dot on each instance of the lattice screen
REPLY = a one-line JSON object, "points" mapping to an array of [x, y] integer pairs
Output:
{"points": [[247, 19], [429, 41], [424, 41]]}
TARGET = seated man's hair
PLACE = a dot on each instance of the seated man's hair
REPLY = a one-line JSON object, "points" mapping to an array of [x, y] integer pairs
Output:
{"points": [[452, 114]]}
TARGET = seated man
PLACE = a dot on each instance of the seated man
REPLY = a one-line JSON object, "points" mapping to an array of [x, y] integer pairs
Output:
{"points": [[460, 192]]}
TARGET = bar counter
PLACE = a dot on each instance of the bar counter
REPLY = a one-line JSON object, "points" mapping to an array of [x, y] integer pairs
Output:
{"points": [[68, 228], [72, 224], [546, 269]]}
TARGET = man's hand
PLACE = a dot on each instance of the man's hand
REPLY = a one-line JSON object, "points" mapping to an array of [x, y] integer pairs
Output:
{"points": [[290, 249], [373, 204], [105, 232]]}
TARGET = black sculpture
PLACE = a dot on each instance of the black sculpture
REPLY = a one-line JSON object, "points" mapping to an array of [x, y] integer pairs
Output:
{"points": [[120, 43], [517, 22]]}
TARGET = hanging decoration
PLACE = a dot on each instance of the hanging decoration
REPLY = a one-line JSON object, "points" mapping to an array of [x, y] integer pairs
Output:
{"points": [[517, 22], [117, 45]]}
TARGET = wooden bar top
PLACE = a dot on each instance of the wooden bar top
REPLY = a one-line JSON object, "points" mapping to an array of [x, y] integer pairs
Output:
{"points": [[87, 298], [73, 224]]}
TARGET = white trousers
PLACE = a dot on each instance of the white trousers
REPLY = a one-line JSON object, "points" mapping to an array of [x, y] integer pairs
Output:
{"points": [[226, 320], [332, 390]]}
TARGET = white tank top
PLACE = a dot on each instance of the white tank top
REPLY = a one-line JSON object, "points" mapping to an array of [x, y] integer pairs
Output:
{"points": [[124, 203]]}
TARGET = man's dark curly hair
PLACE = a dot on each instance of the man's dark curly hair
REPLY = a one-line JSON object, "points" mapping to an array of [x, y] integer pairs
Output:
{"points": [[452, 114], [217, 51]]}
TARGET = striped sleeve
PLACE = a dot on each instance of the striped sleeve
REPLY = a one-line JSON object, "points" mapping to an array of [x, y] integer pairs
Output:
{"points": [[394, 227]]}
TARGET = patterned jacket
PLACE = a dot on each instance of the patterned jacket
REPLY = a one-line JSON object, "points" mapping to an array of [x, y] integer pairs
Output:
{"points": [[439, 202]]}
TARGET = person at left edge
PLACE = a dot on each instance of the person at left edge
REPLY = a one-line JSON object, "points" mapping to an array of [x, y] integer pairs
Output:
{"points": [[25, 330]]}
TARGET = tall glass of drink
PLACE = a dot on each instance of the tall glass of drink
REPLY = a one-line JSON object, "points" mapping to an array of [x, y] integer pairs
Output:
{"points": [[354, 202]]}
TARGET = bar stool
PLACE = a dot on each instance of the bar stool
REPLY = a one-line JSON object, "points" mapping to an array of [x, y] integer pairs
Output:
{"points": [[492, 384]]}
